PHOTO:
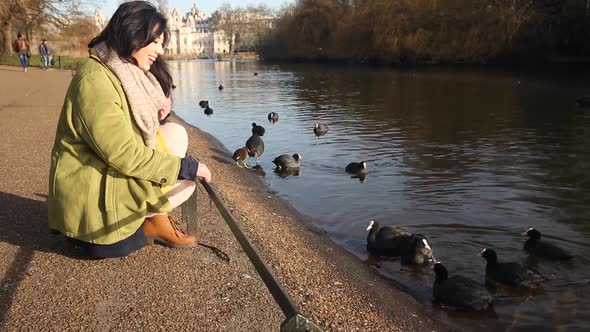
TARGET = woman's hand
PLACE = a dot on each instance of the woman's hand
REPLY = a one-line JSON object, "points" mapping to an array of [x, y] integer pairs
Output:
{"points": [[203, 172], [163, 113]]}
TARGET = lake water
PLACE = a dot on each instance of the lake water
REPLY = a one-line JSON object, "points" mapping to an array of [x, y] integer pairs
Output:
{"points": [[469, 157]]}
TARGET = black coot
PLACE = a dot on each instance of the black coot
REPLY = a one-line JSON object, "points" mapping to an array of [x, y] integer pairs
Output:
{"points": [[256, 146], [286, 161], [220, 87], [459, 292], [320, 129], [208, 111], [396, 242], [273, 117], [204, 103], [357, 168], [537, 247], [509, 273], [257, 130]]}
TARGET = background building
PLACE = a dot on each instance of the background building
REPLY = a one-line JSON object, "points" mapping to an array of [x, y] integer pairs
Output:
{"points": [[191, 33]]}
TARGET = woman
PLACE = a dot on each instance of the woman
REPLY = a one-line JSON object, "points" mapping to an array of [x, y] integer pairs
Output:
{"points": [[115, 173]]}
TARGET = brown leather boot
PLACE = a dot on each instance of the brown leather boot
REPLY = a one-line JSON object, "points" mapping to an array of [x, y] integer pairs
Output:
{"points": [[166, 230]]}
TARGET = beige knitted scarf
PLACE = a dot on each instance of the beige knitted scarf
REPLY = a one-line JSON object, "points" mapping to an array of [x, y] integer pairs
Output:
{"points": [[143, 92]]}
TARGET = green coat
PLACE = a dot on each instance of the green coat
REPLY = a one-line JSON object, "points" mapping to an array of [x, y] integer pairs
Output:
{"points": [[103, 178]]}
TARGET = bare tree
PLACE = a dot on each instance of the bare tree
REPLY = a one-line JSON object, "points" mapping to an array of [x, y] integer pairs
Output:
{"points": [[31, 15], [514, 14], [243, 27], [224, 19], [162, 5], [261, 24], [77, 35], [9, 11]]}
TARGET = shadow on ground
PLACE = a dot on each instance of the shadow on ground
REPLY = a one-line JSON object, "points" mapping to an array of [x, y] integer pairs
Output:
{"points": [[23, 222]]}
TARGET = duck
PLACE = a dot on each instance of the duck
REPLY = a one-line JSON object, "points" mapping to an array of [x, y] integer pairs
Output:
{"points": [[255, 145], [208, 111], [257, 130], [204, 103], [459, 292], [286, 161], [357, 168], [255, 74], [240, 156], [395, 242], [537, 247], [320, 129], [273, 117], [220, 87], [509, 273]]}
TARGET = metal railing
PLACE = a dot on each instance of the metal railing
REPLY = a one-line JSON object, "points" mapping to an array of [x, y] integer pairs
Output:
{"points": [[295, 321]]}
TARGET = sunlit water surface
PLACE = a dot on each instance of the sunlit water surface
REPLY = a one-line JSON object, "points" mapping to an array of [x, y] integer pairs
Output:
{"points": [[470, 157]]}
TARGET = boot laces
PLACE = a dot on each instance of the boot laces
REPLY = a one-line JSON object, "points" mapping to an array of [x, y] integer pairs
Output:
{"points": [[176, 226]]}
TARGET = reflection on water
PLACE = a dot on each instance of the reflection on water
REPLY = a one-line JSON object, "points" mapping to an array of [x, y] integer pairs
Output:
{"points": [[284, 173], [471, 158]]}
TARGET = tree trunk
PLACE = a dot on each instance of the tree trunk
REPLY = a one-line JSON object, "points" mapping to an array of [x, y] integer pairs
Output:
{"points": [[6, 28]]}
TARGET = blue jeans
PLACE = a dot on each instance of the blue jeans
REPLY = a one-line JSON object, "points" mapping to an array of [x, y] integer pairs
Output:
{"points": [[46, 59], [24, 61]]}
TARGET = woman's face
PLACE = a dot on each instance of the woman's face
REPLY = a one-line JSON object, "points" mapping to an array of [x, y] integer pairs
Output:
{"points": [[146, 56]]}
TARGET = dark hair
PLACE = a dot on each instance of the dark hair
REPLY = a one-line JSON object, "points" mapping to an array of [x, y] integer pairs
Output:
{"points": [[160, 70], [133, 26], [18, 35], [44, 40]]}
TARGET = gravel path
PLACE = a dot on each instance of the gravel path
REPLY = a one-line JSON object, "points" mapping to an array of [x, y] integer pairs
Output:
{"points": [[46, 287]]}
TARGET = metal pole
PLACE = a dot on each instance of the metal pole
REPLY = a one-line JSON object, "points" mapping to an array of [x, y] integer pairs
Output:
{"points": [[295, 321], [277, 291], [189, 213]]}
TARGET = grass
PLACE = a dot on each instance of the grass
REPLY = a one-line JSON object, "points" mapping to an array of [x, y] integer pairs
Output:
{"points": [[67, 62]]}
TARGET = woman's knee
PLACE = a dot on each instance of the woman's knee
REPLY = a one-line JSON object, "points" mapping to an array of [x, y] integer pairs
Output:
{"points": [[181, 192]]}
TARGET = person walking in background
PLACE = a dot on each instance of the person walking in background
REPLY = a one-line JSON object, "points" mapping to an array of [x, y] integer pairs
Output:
{"points": [[116, 172], [45, 54], [21, 46]]}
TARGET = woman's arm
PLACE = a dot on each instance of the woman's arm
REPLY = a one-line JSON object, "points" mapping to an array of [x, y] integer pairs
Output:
{"points": [[191, 169], [102, 123]]}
